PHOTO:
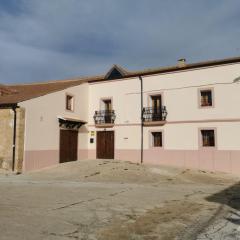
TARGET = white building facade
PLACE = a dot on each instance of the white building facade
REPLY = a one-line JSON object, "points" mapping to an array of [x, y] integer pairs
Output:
{"points": [[185, 116]]}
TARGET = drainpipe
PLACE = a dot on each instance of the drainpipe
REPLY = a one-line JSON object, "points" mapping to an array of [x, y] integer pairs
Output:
{"points": [[141, 82], [14, 137]]}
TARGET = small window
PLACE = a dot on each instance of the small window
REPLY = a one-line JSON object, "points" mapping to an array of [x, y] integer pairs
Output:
{"points": [[157, 139], [69, 102], [208, 138], [206, 98]]}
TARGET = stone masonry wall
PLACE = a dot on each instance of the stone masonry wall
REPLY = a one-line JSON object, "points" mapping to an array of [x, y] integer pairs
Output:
{"points": [[20, 139], [6, 138]]}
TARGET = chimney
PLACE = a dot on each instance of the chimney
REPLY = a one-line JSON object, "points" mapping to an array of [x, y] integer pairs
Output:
{"points": [[182, 62]]}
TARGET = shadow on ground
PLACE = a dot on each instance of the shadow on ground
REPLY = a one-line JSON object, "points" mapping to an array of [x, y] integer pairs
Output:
{"points": [[230, 197]]}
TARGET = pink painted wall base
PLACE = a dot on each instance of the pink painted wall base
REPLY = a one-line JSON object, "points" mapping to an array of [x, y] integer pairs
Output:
{"points": [[34, 160], [205, 159], [128, 155], [82, 154], [210, 159]]}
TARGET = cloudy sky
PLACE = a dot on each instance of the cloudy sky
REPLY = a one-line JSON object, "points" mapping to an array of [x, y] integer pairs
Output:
{"points": [[56, 39]]}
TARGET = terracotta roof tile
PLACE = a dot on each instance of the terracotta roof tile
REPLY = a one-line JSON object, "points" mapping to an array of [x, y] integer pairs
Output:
{"points": [[6, 90], [23, 92]]}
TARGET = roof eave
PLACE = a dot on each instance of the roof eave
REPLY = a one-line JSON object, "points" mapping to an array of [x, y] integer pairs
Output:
{"points": [[177, 68], [8, 105]]}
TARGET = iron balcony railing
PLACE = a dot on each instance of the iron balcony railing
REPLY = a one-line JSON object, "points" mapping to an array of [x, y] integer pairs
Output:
{"points": [[104, 116], [151, 114]]}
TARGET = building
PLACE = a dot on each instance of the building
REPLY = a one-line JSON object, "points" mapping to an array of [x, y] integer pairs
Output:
{"points": [[185, 115]]}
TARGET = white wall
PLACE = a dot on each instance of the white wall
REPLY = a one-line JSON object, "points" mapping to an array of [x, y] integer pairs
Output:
{"points": [[42, 127], [180, 96], [126, 106], [185, 136], [181, 92]]}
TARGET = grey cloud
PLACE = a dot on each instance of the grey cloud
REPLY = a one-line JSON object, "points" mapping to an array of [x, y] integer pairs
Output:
{"points": [[42, 40]]}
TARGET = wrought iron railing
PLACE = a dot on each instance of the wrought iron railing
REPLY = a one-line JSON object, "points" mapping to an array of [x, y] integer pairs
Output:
{"points": [[104, 116], [151, 114]]}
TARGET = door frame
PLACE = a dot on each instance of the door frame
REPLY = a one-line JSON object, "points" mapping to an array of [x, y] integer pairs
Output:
{"points": [[114, 143], [150, 95]]}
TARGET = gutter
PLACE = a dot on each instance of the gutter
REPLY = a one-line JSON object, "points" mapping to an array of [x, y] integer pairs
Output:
{"points": [[141, 84], [14, 108]]}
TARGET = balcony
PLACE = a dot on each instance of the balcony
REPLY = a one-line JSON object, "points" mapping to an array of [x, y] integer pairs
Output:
{"points": [[104, 118], [154, 116]]}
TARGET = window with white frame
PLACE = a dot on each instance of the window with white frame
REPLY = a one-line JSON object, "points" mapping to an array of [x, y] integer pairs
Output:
{"points": [[206, 98], [69, 102]]}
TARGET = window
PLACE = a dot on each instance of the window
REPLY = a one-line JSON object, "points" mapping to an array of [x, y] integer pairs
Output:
{"points": [[208, 138], [157, 139], [69, 102], [206, 99], [106, 113]]}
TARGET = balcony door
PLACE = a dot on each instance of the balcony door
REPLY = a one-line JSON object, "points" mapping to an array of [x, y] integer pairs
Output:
{"points": [[107, 107], [156, 107], [107, 104]]}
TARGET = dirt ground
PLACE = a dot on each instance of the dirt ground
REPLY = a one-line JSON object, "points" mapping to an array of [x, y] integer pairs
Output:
{"points": [[113, 200]]}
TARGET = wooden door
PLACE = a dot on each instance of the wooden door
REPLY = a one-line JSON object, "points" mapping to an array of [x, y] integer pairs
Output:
{"points": [[68, 146], [105, 144]]}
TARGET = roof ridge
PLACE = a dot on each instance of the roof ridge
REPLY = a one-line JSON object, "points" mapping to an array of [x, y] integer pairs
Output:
{"points": [[55, 81], [129, 73], [187, 65], [23, 92]]}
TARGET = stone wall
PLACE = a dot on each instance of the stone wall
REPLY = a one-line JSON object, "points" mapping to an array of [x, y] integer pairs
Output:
{"points": [[20, 139], [6, 138]]}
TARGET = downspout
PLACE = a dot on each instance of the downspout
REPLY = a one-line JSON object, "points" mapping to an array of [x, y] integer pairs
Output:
{"points": [[141, 82], [14, 137]]}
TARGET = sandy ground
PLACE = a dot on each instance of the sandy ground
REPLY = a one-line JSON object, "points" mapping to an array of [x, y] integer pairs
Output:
{"points": [[113, 200]]}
